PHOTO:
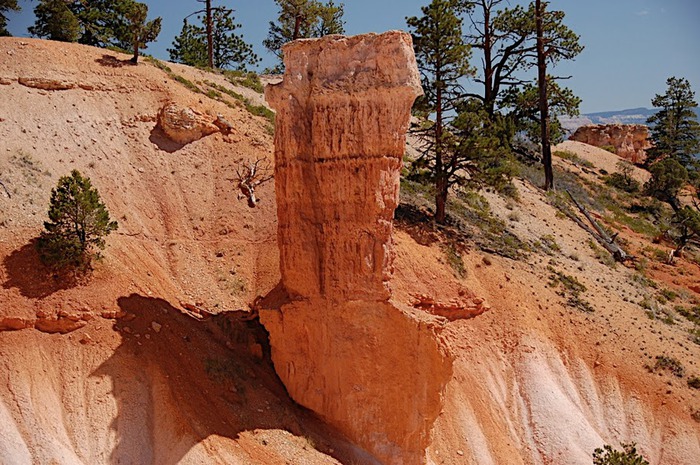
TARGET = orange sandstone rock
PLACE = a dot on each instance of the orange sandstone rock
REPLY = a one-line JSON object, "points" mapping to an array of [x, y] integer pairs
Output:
{"points": [[373, 369], [630, 140]]}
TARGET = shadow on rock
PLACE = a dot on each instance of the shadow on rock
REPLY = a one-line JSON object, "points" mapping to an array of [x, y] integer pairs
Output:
{"points": [[26, 273], [162, 141], [179, 379]]}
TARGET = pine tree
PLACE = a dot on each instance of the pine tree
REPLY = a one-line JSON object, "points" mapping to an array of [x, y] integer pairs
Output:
{"points": [[609, 456], [300, 19], [229, 50], [135, 30], [190, 47], [443, 60], [674, 129], [55, 21], [330, 19], [6, 5], [78, 224]]}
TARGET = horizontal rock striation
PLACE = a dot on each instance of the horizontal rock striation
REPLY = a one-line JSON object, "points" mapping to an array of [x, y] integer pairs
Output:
{"points": [[373, 369]]}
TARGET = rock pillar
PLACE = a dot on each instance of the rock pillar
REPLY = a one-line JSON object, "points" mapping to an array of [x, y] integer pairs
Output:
{"points": [[373, 369]]}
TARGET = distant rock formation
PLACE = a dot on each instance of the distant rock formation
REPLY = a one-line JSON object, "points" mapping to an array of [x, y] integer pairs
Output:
{"points": [[374, 369], [629, 140]]}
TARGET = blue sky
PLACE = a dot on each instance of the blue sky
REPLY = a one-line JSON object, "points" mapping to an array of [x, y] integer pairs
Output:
{"points": [[632, 46]]}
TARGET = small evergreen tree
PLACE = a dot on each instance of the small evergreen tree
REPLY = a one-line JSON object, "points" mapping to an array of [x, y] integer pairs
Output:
{"points": [[135, 30], [674, 129], [609, 456], [6, 5], [667, 179], [78, 224], [55, 21], [300, 19], [229, 50]]}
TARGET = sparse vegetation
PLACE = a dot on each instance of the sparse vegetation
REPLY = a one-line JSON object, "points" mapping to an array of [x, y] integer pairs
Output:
{"points": [[623, 179], [670, 364], [573, 158], [571, 289], [246, 79], [694, 382], [78, 225], [454, 258], [627, 456], [601, 255]]}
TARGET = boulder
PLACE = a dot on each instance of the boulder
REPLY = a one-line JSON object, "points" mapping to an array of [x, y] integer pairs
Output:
{"points": [[184, 125]]}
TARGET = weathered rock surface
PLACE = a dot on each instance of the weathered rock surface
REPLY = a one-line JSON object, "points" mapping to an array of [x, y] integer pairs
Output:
{"points": [[46, 83], [630, 140], [373, 369], [184, 125]]}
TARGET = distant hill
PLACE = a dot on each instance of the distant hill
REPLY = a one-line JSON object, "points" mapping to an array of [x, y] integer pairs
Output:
{"points": [[629, 116]]}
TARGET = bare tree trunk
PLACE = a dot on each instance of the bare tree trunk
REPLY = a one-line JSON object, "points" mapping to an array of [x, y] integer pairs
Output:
{"points": [[210, 37], [440, 179], [135, 58], [599, 234], [488, 64], [297, 26], [544, 104]]}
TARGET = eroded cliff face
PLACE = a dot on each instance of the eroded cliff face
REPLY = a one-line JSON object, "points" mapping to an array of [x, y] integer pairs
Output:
{"points": [[372, 368], [630, 140]]}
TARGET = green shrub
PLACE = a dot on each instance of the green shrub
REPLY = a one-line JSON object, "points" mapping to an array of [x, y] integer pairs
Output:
{"points": [[609, 148], [664, 362], [77, 227], [694, 382], [609, 456], [619, 181]]}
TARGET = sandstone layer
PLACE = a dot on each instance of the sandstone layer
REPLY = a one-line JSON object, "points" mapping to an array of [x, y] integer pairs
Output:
{"points": [[373, 369], [629, 140]]}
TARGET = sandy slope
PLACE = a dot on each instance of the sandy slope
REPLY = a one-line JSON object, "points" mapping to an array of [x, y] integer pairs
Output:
{"points": [[535, 381]]}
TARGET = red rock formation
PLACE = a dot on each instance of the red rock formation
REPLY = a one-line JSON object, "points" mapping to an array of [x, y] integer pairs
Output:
{"points": [[630, 140], [374, 369]]}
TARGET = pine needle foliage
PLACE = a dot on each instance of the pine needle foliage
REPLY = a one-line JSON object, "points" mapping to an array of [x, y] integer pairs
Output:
{"points": [[78, 225]]}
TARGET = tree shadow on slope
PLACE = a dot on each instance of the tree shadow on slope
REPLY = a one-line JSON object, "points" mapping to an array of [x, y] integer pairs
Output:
{"points": [[179, 380], [113, 62], [160, 140], [25, 272]]}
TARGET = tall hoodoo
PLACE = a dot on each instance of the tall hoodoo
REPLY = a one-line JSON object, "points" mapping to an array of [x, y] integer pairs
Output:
{"points": [[342, 114], [372, 368]]}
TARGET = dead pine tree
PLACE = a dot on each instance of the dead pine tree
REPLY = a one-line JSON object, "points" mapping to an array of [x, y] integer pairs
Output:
{"points": [[250, 175]]}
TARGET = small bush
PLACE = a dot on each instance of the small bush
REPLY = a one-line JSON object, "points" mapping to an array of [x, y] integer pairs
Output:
{"points": [[609, 148], [667, 363], [573, 158], [694, 382], [77, 227], [609, 456], [623, 183], [246, 79]]}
